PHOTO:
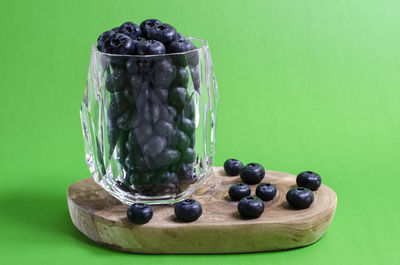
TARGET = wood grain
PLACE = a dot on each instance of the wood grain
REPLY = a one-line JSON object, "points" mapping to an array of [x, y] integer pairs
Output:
{"points": [[220, 229]]}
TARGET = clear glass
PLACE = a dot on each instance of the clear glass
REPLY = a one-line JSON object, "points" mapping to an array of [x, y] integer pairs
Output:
{"points": [[149, 123]]}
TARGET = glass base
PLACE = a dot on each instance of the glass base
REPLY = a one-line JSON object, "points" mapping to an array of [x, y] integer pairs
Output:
{"points": [[129, 197]]}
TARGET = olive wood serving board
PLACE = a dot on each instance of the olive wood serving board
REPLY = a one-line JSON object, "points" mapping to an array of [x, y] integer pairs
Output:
{"points": [[220, 229]]}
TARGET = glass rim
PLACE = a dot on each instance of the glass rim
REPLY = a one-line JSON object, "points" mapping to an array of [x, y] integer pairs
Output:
{"points": [[204, 44]]}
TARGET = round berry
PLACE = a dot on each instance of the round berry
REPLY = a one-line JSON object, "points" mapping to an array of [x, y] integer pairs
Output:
{"points": [[149, 47], [179, 36], [251, 207], [309, 180], [180, 46], [266, 191], [130, 29], [232, 167], [238, 191], [119, 43], [140, 213], [146, 25], [252, 173], [102, 38], [188, 210], [300, 197], [163, 33]]}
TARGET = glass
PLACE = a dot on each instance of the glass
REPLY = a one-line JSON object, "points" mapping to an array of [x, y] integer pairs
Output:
{"points": [[149, 123]]}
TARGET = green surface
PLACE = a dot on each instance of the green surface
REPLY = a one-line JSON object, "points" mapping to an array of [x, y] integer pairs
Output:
{"points": [[303, 85]]}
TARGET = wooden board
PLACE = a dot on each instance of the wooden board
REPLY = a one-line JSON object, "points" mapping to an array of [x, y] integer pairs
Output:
{"points": [[220, 229]]}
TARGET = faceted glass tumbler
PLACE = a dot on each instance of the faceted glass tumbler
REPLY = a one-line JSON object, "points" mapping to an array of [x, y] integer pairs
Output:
{"points": [[149, 123]]}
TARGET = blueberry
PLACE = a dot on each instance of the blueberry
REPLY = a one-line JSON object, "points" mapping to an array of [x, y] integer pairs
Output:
{"points": [[177, 98], [300, 197], [163, 72], [102, 38], [186, 175], [189, 155], [135, 81], [163, 128], [182, 77], [250, 207], [167, 113], [180, 46], [154, 145], [183, 140], [232, 167], [187, 126], [309, 180], [142, 132], [136, 161], [132, 65], [266, 191], [179, 36], [129, 96], [119, 44], [164, 33], [149, 47], [146, 25], [162, 94], [144, 181], [140, 213], [116, 29], [189, 109], [130, 29], [252, 173], [188, 210], [116, 81], [168, 182], [190, 56], [239, 191], [127, 120], [165, 158], [155, 112]]}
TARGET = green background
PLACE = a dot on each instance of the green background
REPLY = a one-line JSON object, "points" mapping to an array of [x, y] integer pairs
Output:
{"points": [[304, 85]]}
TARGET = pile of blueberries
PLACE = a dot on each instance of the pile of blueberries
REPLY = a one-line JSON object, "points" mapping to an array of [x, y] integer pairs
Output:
{"points": [[151, 108], [300, 197], [249, 206]]}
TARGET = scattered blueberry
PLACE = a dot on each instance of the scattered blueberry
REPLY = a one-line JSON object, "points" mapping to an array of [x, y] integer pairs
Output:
{"points": [[188, 210], [139, 213], [250, 207], [266, 191], [309, 180], [252, 173], [239, 191], [300, 197], [232, 167]]}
